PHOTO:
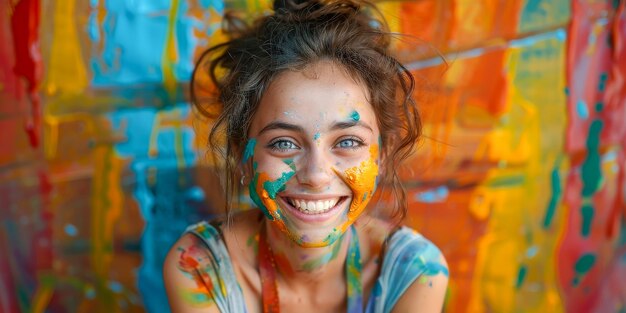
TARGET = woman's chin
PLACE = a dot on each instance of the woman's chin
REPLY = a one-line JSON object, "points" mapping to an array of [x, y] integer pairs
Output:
{"points": [[314, 238]]}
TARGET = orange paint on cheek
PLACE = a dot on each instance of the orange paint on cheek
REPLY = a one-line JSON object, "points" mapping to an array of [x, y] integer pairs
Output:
{"points": [[269, 207], [362, 181]]}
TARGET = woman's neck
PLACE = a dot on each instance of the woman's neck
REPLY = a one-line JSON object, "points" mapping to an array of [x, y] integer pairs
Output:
{"points": [[297, 265]]}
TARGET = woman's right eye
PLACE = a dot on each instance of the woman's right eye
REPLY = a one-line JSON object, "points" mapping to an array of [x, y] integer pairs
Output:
{"points": [[283, 145]]}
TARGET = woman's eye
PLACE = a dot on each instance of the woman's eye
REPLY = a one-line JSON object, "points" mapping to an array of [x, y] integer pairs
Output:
{"points": [[349, 143], [283, 145]]}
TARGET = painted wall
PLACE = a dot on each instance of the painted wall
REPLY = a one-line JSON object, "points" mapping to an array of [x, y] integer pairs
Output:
{"points": [[520, 178]]}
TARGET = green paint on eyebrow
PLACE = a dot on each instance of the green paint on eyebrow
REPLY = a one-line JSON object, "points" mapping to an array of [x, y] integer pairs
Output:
{"points": [[355, 116], [249, 150]]}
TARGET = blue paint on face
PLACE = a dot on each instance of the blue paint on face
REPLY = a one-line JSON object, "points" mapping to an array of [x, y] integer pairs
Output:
{"points": [[249, 150], [355, 116], [316, 136]]}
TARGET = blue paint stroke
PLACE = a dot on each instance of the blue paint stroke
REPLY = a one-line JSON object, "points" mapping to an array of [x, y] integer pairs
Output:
{"points": [[355, 116], [435, 195], [559, 34], [71, 230], [582, 110], [249, 150]]}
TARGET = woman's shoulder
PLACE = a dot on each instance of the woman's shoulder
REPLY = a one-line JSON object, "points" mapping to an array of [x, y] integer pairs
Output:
{"points": [[199, 272], [412, 267], [190, 272]]}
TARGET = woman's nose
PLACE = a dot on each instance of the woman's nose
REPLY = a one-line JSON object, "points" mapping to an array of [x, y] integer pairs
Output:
{"points": [[315, 170]]}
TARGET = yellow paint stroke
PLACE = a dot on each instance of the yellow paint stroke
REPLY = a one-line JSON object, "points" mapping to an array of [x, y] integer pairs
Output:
{"points": [[170, 55], [66, 69], [52, 124], [524, 147], [107, 202], [391, 11], [42, 297]]}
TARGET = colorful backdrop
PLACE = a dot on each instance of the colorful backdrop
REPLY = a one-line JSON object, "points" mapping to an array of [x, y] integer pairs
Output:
{"points": [[520, 178]]}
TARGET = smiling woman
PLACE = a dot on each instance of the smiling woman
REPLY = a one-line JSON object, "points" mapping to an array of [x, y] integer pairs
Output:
{"points": [[317, 114]]}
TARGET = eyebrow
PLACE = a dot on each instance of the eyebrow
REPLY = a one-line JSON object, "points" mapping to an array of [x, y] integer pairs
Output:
{"points": [[281, 125], [350, 123], [296, 128]]}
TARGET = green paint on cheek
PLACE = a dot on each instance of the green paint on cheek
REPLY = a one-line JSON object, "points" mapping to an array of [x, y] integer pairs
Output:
{"points": [[355, 116], [274, 187], [290, 163], [256, 198], [582, 266], [249, 150]]}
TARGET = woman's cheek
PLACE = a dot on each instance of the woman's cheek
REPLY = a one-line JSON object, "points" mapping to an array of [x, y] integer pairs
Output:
{"points": [[361, 179], [264, 188]]}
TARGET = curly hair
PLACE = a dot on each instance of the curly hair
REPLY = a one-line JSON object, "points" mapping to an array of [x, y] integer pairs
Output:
{"points": [[351, 34]]}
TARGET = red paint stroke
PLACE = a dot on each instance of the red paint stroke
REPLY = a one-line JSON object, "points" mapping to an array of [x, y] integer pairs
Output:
{"points": [[189, 263], [25, 29], [587, 60]]}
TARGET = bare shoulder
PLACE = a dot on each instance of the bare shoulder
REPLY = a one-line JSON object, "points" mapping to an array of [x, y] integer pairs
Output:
{"points": [[426, 292], [187, 275]]}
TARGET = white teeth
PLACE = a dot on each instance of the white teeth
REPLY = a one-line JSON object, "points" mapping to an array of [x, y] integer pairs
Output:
{"points": [[313, 207]]}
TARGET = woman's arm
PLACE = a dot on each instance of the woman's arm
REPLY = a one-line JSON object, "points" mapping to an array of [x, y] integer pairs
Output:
{"points": [[189, 277], [427, 292]]}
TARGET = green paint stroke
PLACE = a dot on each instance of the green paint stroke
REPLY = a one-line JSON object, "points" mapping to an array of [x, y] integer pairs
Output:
{"points": [[256, 198], [355, 116], [521, 276], [289, 162], [557, 192], [591, 170], [274, 187], [506, 181], [249, 150], [587, 212], [318, 262], [602, 83], [582, 266]]}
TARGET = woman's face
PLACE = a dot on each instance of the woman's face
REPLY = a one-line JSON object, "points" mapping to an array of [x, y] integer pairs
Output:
{"points": [[314, 151]]}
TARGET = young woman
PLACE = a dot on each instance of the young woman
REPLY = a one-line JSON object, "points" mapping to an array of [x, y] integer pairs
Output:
{"points": [[316, 115]]}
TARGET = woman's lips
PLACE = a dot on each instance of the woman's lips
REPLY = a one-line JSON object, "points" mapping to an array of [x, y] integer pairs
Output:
{"points": [[309, 209]]}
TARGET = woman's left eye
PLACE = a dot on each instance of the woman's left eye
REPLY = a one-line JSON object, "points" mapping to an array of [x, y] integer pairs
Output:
{"points": [[349, 143], [283, 145]]}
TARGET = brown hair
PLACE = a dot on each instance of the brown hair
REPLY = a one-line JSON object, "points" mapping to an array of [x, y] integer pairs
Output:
{"points": [[296, 35]]}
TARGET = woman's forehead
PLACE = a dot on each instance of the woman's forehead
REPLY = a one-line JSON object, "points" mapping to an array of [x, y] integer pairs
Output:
{"points": [[323, 93]]}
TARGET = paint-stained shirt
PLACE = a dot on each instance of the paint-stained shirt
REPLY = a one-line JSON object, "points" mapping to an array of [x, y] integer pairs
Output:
{"points": [[409, 256]]}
